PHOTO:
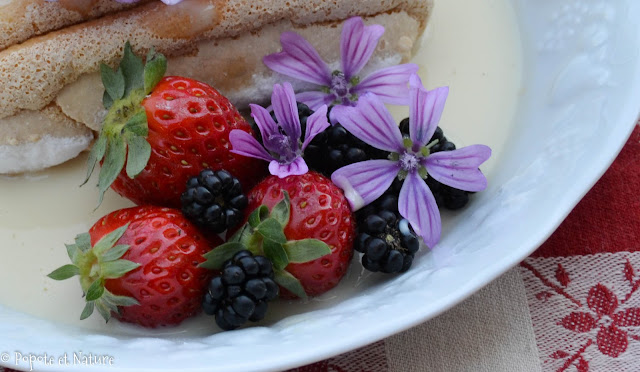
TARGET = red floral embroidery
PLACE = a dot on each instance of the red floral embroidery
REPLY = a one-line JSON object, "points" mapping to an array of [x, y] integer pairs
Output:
{"points": [[602, 313]]}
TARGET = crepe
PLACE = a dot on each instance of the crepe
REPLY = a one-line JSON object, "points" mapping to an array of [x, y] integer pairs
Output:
{"points": [[220, 42]]}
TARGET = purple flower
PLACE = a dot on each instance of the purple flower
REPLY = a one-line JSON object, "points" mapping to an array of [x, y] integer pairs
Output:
{"points": [[300, 60], [282, 145], [410, 158]]}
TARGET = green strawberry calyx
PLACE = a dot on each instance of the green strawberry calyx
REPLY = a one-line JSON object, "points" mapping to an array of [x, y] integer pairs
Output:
{"points": [[263, 234], [94, 265], [124, 130]]}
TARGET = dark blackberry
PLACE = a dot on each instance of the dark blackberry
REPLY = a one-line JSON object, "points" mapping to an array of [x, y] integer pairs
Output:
{"points": [[214, 200], [241, 292], [388, 242], [446, 196], [335, 148]]}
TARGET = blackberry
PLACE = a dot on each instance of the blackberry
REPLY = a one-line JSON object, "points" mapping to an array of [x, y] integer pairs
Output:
{"points": [[214, 200], [241, 292], [387, 240], [335, 148], [446, 196]]}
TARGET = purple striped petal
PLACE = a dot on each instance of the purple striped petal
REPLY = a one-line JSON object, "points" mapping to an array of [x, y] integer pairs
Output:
{"points": [[315, 99], [364, 182], [417, 204], [295, 168], [357, 44], [299, 60], [371, 122], [283, 100], [389, 84], [459, 168], [316, 123], [245, 144], [266, 125], [425, 110]]}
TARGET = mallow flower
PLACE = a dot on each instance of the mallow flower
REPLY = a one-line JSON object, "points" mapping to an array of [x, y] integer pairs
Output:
{"points": [[410, 159], [300, 60], [283, 146]]}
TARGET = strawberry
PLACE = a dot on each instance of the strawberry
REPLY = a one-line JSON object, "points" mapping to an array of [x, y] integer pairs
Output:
{"points": [[320, 211], [317, 212], [159, 131], [140, 265]]}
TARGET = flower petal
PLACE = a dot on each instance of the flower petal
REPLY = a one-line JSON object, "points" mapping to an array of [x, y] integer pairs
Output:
{"points": [[295, 168], [365, 181], [357, 44], [389, 84], [417, 204], [425, 110], [459, 168], [168, 2], [371, 122], [315, 99], [299, 60], [243, 143], [266, 125], [316, 123], [284, 105]]}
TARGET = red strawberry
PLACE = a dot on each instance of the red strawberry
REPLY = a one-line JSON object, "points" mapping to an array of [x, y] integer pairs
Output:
{"points": [[169, 129], [140, 265], [320, 211]]}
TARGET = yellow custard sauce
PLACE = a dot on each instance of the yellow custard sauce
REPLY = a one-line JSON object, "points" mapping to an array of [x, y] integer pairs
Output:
{"points": [[471, 46]]}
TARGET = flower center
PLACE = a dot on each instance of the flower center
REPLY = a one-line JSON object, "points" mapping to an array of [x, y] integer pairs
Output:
{"points": [[409, 162], [284, 147], [341, 88]]}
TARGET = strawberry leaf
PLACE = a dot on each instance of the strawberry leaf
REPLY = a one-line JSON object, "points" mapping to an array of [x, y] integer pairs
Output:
{"points": [[116, 269], [258, 215], [97, 153], [282, 210], [72, 252], [83, 242], [107, 101], [272, 230], [276, 253], [64, 272], [119, 300], [109, 240], [113, 81], [96, 289], [114, 253], [216, 257], [132, 69], [103, 310], [290, 282], [137, 125], [113, 162], [154, 70], [300, 251], [138, 155], [243, 235], [87, 311]]}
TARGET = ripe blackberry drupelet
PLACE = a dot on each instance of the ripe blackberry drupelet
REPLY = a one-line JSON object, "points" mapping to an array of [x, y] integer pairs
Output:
{"points": [[446, 196], [241, 292], [386, 239], [214, 200]]}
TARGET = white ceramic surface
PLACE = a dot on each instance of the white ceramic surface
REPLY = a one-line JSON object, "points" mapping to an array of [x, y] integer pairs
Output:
{"points": [[580, 100]]}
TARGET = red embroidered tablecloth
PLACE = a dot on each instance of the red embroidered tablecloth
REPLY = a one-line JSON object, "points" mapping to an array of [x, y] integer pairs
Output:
{"points": [[573, 305]]}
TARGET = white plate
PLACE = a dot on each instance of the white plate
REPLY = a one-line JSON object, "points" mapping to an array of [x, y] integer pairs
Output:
{"points": [[579, 102]]}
